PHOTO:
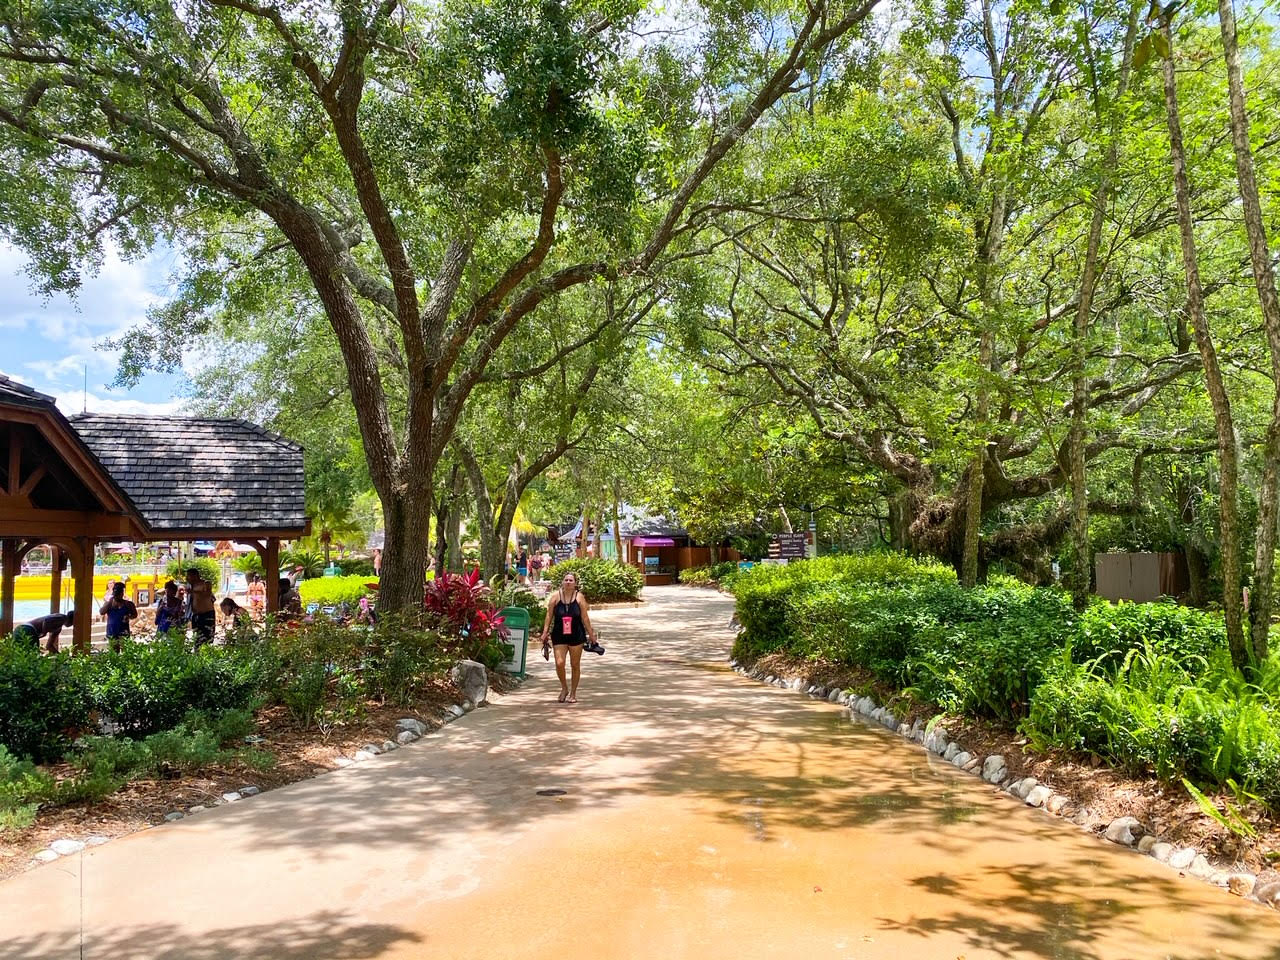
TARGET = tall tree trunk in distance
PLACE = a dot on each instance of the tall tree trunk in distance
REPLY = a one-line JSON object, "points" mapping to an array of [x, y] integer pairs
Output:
{"points": [[617, 528], [1082, 559], [441, 553], [1265, 281], [581, 549], [973, 497], [448, 522], [1224, 425], [493, 550], [988, 254]]}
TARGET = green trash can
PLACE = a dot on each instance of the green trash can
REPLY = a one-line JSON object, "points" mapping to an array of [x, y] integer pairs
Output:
{"points": [[516, 620]]}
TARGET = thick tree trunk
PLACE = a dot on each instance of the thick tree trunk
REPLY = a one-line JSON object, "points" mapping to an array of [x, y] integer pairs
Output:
{"points": [[1264, 280], [902, 513], [406, 506], [1224, 426], [406, 553]]}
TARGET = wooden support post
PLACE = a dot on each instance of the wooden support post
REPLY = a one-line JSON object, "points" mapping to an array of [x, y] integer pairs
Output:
{"points": [[55, 579], [82, 571], [8, 570], [270, 554]]}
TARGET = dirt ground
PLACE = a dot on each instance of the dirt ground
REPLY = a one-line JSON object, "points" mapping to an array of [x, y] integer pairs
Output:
{"points": [[1099, 793], [300, 752]]}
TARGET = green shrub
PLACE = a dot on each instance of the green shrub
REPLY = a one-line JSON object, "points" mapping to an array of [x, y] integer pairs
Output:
{"points": [[311, 561], [599, 579], [515, 595], [332, 591], [42, 702], [715, 573], [402, 660], [198, 742], [303, 691], [769, 595], [248, 563], [695, 576], [148, 687], [209, 568], [24, 788], [1154, 712], [357, 567], [1110, 631]]}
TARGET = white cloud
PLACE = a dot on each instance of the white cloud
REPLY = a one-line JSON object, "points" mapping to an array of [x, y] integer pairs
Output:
{"points": [[76, 401], [52, 342]]}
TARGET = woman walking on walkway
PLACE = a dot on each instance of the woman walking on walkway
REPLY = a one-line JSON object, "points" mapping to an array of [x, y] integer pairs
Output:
{"points": [[567, 627]]}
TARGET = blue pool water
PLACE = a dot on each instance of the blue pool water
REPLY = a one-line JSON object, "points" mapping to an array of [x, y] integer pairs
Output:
{"points": [[25, 610]]}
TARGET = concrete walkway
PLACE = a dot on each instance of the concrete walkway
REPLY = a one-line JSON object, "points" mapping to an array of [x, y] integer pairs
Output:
{"points": [[705, 816]]}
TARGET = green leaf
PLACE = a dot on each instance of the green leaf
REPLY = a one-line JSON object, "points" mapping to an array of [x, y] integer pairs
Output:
{"points": [[1143, 53], [1161, 44]]}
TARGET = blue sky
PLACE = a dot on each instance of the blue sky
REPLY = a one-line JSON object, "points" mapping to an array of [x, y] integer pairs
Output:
{"points": [[47, 343]]}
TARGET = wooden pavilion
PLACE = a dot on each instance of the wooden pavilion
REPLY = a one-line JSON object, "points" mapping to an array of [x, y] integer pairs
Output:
{"points": [[73, 482]]}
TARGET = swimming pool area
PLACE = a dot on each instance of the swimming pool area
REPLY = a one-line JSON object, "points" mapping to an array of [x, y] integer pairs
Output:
{"points": [[24, 610]]}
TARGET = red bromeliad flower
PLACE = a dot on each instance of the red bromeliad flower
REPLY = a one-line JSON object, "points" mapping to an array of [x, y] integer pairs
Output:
{"points": [[462, 605]]}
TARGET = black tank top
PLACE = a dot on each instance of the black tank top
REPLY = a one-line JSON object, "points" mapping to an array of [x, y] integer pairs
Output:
{"points": [[577, 633]]}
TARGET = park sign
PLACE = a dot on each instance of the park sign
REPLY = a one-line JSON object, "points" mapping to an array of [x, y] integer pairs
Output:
{"points": [[788, 546]]}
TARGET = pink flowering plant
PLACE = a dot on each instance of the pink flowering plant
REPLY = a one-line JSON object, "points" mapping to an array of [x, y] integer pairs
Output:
{"points": [[463, 610]]}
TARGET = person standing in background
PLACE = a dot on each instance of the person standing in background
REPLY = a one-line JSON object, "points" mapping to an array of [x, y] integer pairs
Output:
{"points": [[204, 619], [118, 612]]}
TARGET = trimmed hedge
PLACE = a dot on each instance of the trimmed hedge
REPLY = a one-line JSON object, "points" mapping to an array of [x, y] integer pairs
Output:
{"points": [[332, 591], [599, 579]]}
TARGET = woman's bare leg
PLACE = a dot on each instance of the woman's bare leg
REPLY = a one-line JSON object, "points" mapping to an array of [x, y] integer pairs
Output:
{"points": [[561, 652], [575, 661]]}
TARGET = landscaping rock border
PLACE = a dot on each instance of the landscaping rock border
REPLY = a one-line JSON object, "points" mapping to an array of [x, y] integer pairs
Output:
{"points": [[407, 731], [1124, 831]]}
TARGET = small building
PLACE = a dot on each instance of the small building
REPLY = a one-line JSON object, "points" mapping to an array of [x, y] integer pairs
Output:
{"points": [[1141, 577], [74, 482], [656, 545]]}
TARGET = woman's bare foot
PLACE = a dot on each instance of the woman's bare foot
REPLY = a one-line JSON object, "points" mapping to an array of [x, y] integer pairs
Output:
{"points": [[573, 698], [563, 695]]}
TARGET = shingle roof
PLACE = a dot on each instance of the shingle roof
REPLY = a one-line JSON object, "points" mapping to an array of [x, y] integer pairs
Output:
{"points": [[12, 390], [199, 474]]}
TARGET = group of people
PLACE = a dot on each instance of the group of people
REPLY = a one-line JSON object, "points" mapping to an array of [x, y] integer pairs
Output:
{"points": [[191, 604], [194, 605], [530, 566]]}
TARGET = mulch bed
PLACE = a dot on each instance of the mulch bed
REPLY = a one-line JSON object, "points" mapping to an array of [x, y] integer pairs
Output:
{"points": [[300, 752], [1100, 792]]}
